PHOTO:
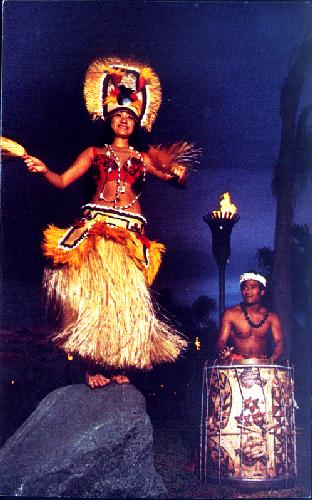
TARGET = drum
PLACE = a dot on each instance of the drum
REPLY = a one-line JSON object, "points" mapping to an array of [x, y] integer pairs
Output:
{"points": [[247, 433]]}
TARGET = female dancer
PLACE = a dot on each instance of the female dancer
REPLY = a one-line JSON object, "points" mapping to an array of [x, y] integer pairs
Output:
{"points": [[102, 265]]}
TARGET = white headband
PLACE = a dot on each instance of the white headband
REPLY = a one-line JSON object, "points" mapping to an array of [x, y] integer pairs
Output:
{"points": [[252, 276]]}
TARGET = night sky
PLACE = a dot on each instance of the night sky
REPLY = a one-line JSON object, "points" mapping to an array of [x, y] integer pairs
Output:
{"points": [[221, 66]]}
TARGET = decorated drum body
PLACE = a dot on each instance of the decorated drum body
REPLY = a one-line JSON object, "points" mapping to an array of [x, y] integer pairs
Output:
{"points": [[248, 425]]}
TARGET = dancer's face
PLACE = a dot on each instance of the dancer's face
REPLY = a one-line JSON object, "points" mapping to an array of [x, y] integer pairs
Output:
{"points": [[251, 292], [123, 124]]}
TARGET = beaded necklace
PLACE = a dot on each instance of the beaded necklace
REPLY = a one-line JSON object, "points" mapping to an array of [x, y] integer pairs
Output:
{"points": [[248, 319], [119, 189]]}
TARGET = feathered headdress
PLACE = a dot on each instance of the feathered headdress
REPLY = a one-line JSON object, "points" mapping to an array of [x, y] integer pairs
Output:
{"points": [[112, 83]]}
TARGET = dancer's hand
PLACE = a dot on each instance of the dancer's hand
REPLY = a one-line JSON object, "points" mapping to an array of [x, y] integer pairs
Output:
{"points": [[35, 165], [226, 353], [181, 173]]}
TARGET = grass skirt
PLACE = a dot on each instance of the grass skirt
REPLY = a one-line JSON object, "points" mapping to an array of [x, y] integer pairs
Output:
{"points": [[100, 289]]}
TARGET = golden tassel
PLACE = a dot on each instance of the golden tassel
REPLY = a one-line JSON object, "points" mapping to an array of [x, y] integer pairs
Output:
{"points": [[11, 149]]}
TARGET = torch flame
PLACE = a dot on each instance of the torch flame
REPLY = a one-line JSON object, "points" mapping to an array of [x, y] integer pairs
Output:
{"points": [[227, 209], [226, 205]]}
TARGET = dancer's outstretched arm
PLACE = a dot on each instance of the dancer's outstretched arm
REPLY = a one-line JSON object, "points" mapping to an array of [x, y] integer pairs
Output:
{"points": [[61, 181]]}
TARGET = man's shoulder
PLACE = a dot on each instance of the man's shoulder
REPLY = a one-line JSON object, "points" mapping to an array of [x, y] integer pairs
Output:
{"points": [[273, 316], [233, 311]]}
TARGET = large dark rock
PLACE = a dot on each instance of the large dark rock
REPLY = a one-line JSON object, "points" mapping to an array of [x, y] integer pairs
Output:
{"points": [[84, 443]]}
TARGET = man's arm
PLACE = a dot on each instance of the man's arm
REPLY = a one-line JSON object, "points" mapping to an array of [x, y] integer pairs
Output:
{"points": [[225, 331], [277, 334]]}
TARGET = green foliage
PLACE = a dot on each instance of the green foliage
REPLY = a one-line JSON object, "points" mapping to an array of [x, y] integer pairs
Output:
{"points": [[193, 320], [202, 308], [301, 272]]}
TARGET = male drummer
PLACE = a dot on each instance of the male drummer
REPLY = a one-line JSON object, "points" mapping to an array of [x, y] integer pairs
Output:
{"points": [[249, 325]]}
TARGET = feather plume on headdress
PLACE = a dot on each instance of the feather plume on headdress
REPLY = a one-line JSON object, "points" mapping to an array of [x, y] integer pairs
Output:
{"points": [[110, 99], [11, 149], [167, 158]]}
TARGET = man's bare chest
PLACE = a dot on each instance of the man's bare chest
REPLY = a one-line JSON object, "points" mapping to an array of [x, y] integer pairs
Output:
{"points": [[242, 329]]}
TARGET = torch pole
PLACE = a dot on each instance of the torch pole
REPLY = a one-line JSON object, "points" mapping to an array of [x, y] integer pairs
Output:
{"points": [[221, 226], [221, 291]]}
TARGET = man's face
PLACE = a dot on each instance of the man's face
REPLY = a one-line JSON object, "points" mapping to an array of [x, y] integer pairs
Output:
{"points": [[252, 292]]}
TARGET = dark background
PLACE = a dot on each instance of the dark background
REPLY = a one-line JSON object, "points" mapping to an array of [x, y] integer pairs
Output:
{"points": [[222, 66]]}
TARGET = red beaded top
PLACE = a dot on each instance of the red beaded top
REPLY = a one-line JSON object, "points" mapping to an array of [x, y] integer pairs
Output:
{"points": [[105, 168]]}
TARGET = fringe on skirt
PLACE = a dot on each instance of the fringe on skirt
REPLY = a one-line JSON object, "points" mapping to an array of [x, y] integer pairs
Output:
{"points": [[99, 286]]}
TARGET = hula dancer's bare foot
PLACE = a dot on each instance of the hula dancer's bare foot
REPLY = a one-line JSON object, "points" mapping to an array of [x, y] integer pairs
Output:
{"points": [[97, 380], [120, 379]]}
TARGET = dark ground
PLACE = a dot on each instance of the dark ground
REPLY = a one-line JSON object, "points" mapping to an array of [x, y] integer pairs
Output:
{"points": [[29, 371], [175, 416], [171, 453]]}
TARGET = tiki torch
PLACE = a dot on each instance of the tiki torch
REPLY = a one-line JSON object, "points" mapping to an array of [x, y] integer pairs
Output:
{"points": [[221, 223]]}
